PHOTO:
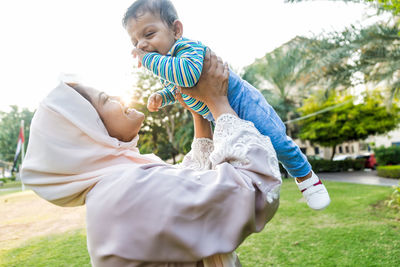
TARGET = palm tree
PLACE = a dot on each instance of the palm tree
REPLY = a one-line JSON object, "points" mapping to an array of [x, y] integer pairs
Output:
{"points": [[389, 5], [278, 76], [373, 52]]}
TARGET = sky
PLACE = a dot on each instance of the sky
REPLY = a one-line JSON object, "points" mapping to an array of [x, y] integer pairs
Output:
{"points": [[42, 39]]}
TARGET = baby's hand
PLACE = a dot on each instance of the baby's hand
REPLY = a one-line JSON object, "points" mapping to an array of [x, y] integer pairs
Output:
{"points": [[138, 53], [154, 102]]}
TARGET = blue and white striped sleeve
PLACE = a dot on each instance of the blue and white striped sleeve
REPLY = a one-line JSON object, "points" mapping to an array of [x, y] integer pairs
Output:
{"points": [[182, 68]]}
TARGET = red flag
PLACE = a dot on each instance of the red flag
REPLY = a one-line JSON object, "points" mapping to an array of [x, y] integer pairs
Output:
{"points": [[21, 140]]}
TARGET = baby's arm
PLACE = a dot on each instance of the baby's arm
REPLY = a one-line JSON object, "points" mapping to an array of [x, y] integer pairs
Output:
{"points": [[183, 69]]}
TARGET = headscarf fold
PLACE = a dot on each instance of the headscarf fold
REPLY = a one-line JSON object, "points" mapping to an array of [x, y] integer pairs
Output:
{"points": [[70, 150]]}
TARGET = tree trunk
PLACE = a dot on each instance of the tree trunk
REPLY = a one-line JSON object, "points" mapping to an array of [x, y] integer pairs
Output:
{"points": [[333, 152], [288, 126], [173, 158]]}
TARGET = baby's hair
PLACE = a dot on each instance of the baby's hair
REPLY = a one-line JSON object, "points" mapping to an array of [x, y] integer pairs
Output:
{"points": [[163, 8]]}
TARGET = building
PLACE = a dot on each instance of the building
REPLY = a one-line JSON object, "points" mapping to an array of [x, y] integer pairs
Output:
{"points": [[351, 148]]}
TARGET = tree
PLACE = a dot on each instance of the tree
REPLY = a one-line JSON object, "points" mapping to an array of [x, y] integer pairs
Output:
{"points": [[390, 5], [358, 55], [9, 130], [347, 121], [278, 76], [169, 131]]}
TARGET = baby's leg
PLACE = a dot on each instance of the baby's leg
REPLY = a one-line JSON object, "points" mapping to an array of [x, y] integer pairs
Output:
{"points": [[253, 107]]}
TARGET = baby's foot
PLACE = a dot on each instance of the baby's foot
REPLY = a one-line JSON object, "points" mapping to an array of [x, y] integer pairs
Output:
{"points": [[314, 192]]}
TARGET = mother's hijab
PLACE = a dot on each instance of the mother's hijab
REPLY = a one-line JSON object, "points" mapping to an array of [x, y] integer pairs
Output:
{"points": [[70, 150]]}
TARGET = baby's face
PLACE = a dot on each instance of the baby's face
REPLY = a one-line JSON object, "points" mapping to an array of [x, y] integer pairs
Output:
{"points": [[149, 33]]}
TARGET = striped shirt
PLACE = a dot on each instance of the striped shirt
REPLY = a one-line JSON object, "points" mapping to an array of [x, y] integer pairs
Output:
{"points": [[182, 67]]}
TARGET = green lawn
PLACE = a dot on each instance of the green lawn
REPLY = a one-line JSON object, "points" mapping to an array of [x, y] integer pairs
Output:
{"points": [[355, 230], [15, 185], [11, 184], [68, 250]]}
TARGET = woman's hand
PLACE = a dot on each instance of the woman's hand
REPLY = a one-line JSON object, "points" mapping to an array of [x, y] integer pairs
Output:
{"points": [[213, 85]]}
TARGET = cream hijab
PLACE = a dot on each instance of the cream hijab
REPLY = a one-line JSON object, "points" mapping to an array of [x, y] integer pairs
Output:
{"points": [[69, 149]]}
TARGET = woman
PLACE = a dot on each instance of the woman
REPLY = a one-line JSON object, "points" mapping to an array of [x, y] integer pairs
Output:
{"points": [[140, 210]]}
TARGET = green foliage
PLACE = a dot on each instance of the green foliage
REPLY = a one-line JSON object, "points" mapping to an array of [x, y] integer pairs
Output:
{"points": [[169, 131], [394, 201], [358, 55], [9, 130], [8, 179], [392, 171], [323, 165], [390, 5], [346, 121], [277, 75], [387, 155]]}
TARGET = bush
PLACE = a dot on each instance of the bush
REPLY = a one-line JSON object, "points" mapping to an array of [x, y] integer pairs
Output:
{"points": [[359, 164], [387, 155], [324, 165], [394, 201], [7, 179], [389, 171]]}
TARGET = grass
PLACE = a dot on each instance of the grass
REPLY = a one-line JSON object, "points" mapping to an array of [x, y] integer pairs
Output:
{"points": [[67, 250], [16, 185], [11, 184], [355, 230]]}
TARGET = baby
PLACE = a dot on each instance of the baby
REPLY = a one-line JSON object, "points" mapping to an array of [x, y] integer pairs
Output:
{"points": [[156, 32]]}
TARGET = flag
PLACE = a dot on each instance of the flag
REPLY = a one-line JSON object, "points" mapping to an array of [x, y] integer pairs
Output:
{"points": [[20, 145]]}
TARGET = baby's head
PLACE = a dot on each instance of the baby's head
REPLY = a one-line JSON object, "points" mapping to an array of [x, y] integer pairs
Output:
{"points": [[153, 25]]}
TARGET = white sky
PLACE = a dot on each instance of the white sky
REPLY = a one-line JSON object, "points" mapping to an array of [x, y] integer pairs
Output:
{"points": [[41, 39]]}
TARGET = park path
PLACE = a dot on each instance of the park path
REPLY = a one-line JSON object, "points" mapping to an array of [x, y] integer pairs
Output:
{"points": [[24, 215], [368, 177]]}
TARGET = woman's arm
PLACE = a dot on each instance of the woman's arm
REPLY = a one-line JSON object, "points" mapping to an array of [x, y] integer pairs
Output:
{"points": [[202, 127], [199, 156]]}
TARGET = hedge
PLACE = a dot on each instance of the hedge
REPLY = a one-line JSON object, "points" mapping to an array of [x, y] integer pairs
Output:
{"points": [[322, 165], [387, 155], [389, 171]]}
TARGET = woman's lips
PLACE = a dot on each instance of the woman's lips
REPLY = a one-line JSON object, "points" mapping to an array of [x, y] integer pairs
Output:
{"points": [[131, 112]]}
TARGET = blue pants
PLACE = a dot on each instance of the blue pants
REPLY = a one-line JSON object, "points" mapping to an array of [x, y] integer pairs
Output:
{"points": [[251, 105]]}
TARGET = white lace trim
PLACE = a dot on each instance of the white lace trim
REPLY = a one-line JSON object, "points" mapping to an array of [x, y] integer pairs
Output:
{"points": [[199, 157], [233, 137]]}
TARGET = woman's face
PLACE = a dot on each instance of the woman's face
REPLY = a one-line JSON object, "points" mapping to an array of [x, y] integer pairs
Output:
{"points": [[121, 122]]}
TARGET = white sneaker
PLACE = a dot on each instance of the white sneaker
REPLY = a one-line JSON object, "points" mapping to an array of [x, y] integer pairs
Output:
{"points": [[314, 192]]}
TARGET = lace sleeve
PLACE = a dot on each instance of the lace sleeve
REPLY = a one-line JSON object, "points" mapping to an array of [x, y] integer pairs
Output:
{"points": [[199, 157], [233, 140]]}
